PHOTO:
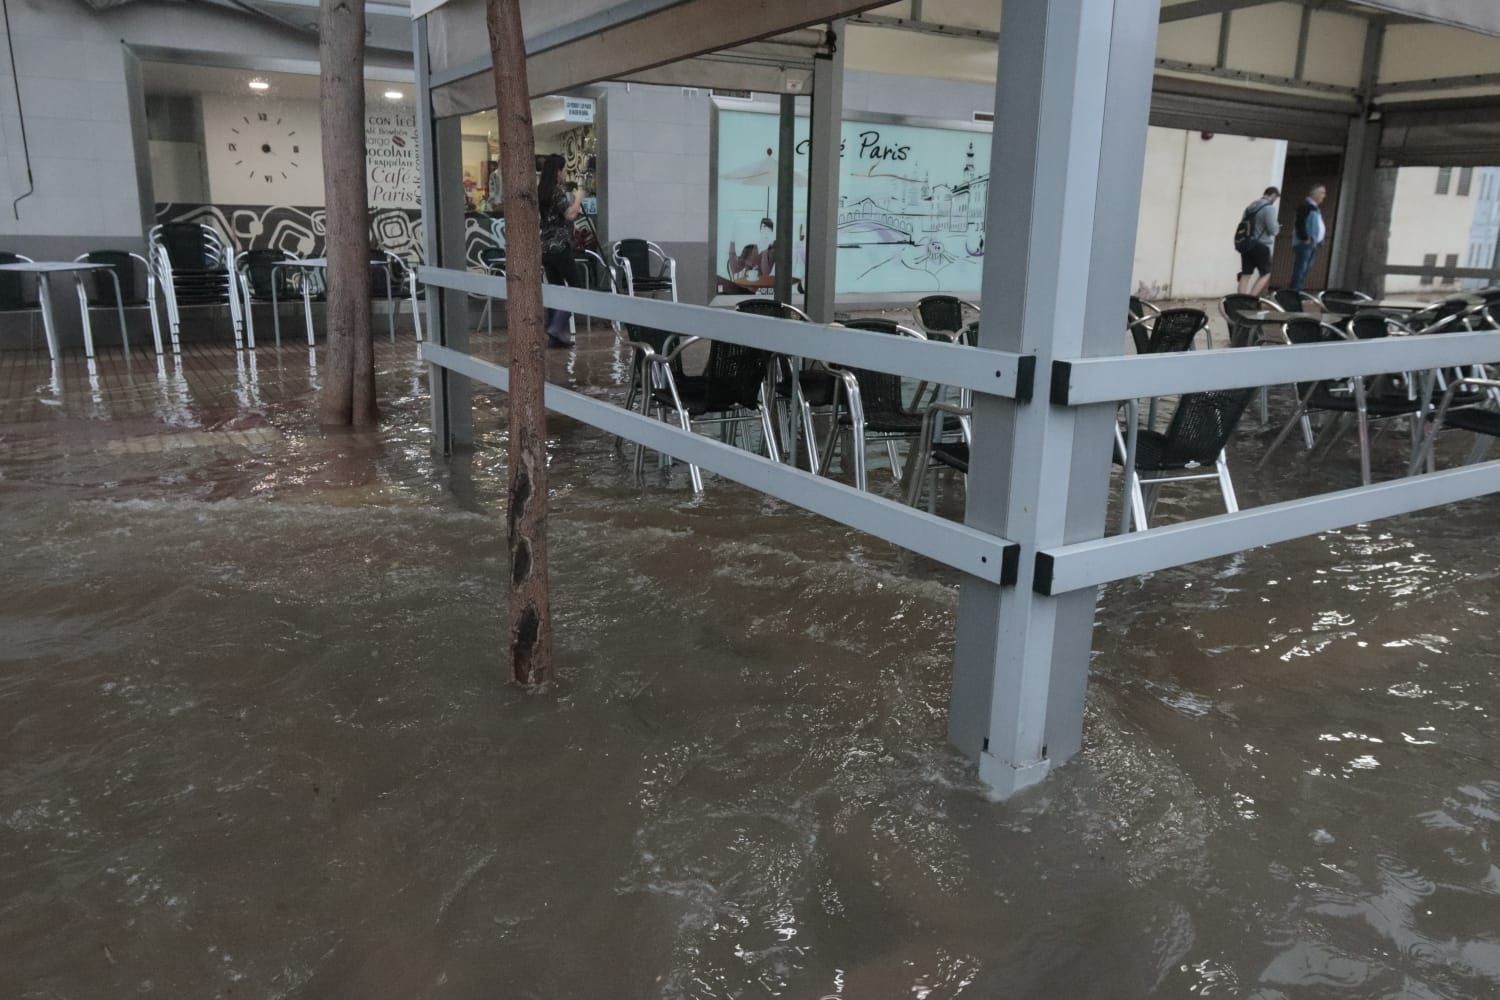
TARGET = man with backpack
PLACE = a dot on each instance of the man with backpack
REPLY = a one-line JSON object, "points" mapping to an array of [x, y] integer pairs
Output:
{"points": [[1255, 238]]}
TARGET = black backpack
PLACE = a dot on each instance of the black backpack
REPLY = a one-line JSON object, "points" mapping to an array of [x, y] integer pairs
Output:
{"points": [[1244, 233]]}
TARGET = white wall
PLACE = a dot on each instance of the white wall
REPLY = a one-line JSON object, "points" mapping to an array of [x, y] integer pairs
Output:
{"points": [[1424, 222], [72, 63], [236, 133], [177, 172], [1192, 196]]}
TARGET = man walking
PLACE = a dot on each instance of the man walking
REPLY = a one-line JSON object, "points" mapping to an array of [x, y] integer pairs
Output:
{"points": [[1310, 233], [1255, 239]]}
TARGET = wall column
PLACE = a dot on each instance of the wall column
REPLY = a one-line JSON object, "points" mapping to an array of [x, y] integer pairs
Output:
{"points": [[825, 133], [1071, 107], [447, 321], [786, 159], [1353, 219]]}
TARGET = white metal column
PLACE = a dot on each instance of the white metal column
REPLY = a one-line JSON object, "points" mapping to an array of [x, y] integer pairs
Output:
{"points": [[443, 244], [1071, 109], [825, 132]]}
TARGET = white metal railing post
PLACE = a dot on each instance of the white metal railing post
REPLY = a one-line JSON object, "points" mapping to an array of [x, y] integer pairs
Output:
{"points": [[1071, 107], [825, 131]]}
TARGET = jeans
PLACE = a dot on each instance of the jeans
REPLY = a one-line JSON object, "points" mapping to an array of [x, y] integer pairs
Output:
{"points": [[561, 269], [1302, 258]]}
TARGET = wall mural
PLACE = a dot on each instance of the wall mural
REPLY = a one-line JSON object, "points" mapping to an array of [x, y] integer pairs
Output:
{"points": [[300, 231], [912, 202]]}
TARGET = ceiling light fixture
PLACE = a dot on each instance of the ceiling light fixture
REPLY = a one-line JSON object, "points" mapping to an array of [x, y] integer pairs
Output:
{"points": [[258, 84], [394, 95]]}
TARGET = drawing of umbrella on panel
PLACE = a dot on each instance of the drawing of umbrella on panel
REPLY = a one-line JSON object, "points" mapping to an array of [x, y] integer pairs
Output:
{"points": [[762, 172]]}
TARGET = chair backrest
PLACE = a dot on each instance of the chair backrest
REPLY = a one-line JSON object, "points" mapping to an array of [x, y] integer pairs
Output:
{"points": [[1289, 299], [190, 245], [638, 254], [1343, 300], [879, 392], [12, 285], [1203, 424], [734, 375], [493, 259], [101, 290], [1446, 316], [941, 313], [1369, 326], [1175, 329], [256, 266], [1234, 307], [774, 308]]}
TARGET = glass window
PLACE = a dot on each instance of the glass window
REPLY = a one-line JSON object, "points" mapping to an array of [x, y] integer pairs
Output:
{"points": [[1429, 261], [1445, 177], [1465, 181]]}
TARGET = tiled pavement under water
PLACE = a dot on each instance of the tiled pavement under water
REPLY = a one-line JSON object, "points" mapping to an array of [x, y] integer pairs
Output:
{"points": [[257, 740]]}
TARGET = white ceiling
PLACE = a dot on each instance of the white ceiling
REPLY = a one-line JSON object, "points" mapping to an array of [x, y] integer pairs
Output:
{"points": [[180, 79]]}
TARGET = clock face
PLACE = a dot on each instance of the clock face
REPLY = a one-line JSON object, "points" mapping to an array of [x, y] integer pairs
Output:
{"points": [[264, 148]]}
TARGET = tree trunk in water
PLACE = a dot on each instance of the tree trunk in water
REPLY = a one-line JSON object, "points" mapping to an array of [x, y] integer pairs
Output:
{"points": [[530, 613], [349, 373]]}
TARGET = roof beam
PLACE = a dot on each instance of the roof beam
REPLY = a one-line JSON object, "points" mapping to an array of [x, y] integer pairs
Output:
{"points": [[925, 27], [1203, 8]]}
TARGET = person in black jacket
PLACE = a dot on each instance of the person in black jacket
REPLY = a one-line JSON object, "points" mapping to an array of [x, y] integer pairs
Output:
{"points": [[1310, 233]]}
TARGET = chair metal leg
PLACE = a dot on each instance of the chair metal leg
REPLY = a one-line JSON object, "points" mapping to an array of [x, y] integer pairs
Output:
{"points": [[1137, 499], [810, 433], [307, 310], [894, 458], [1297, 418], [83, 310], [772, 452], [1226, 484], [151, 308], [1480, 449], [120, 310]]}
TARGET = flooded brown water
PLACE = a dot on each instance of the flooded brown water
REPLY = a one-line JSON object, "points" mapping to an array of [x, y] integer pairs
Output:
{"points": [[256, 736]]}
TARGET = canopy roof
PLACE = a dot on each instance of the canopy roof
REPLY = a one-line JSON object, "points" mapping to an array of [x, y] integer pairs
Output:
{"points": [[1294, 69]]}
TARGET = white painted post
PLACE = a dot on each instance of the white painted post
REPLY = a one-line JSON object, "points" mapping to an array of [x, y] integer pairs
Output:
{"points": [[825, 132], [1071, 109]]}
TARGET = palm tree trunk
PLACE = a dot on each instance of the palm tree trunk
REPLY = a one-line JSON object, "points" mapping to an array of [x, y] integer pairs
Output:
{"points": [[348, 397], [530, 612]]}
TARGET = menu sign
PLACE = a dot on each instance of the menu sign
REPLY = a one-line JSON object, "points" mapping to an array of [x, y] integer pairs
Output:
{"points": [[394, 172]]}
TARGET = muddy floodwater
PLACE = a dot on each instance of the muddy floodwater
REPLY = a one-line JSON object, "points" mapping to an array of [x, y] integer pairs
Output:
{"points": [[257, 740]]}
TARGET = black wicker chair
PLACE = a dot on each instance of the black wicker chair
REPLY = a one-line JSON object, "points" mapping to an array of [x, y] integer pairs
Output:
{"points": [[815, 381], [1234, 308], [1141, 315], [872, 404], [946, 316], [1176, 329], [128, 284], [645, 267], [1343, 301], [730, 391], [1481, 419], [18, 291], [1366, 399], [195, 267], [262, 281], [1195, 439]]}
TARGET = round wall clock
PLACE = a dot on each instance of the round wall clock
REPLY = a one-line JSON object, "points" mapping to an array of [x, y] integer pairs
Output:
{"points": [[265, 148]]}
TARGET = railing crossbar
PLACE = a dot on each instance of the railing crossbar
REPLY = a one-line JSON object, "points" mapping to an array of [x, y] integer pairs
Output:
{"points": [[1119, 557], [1084, 381], [966, 549], [995, 373]]}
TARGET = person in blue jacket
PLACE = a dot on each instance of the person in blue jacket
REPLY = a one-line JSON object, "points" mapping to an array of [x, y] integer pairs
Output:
{"points": [[1311, 231]]}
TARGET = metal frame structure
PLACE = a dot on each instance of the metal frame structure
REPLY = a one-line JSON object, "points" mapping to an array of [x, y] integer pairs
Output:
{"points": [[1073, 99]]}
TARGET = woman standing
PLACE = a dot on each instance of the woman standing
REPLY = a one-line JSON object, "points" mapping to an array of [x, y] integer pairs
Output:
{"points": [[558, 212]]}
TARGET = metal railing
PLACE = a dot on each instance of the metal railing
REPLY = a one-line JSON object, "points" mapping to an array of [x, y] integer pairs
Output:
{"points": [[977, 553], [1094, 381]]}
